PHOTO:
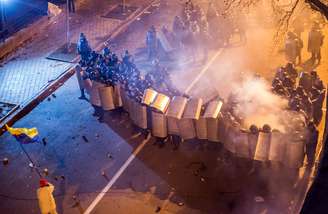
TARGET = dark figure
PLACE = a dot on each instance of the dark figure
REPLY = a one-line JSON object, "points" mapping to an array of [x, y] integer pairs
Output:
{"points": [[291, 71], [71, 6], [311, 143], [176, 140], [151, 42], [291, 48], [315, 43], [83, 47], [299, 47], [305, 81]]}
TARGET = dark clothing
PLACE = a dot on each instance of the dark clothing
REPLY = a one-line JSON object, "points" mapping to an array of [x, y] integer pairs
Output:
{"points": [[311, 144], [71, 6]]}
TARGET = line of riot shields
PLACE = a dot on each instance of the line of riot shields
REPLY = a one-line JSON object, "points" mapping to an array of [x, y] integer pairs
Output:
{"points": [[154, 107], [182, 118]]}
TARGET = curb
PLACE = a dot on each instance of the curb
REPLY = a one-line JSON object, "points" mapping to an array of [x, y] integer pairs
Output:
{"points": [[29, 105]]}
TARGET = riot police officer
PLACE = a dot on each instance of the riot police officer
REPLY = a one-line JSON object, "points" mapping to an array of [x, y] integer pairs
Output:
{"points": [[315, 43], [83, 47], [152, 43]]}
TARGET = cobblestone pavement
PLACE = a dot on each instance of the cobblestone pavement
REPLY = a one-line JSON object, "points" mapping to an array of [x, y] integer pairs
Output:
{"points": [[27, 72]]}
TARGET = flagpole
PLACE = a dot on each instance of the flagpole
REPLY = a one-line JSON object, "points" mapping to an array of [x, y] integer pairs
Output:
{"points": [[30, 159]]}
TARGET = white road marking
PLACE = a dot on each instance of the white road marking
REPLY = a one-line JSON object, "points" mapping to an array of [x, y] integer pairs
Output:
{"points": [[115, 177], [203, 71]]}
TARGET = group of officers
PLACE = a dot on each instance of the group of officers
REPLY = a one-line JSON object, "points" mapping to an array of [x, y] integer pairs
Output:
{"points": [[127, 86], [195, 31], [305, 91], [294, 44]]}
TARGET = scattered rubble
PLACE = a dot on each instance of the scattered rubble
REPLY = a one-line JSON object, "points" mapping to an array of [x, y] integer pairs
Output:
{"points": [[5, 161]]}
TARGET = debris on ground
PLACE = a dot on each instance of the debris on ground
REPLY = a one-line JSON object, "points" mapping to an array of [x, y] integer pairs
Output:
{"points": [[54, 95], [180, 204], [259, 199], [44, 141], [5, 161], [31, 165], [46, 171], [158, 209], [85, 139], [202, 179], [49, 99], [109, 156]]}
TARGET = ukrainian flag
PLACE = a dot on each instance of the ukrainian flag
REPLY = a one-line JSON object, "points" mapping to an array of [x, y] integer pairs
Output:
{"points": [[23, 135]]}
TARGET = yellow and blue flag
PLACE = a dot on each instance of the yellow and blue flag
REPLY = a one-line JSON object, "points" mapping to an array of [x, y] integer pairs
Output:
{"points": [[24, 135]]}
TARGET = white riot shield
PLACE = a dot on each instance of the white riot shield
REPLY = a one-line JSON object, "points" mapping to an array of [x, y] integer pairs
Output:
{"points": [[201, 128], [133, 110], [159, 124], [252, 143], [262, 147], [149, 96], [117, 96], [124, 99], [94, 93], [186, 124], [161, 102], [241, 144], [106, 98], [87, 83], [277, 147], [229, 143], [172, 126], [174, 114], [140, 115], [294, 154], [187, 129], [212, 114]]}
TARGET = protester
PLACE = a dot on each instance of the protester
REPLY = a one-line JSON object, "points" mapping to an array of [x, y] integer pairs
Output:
{"points": [[46, 199]]}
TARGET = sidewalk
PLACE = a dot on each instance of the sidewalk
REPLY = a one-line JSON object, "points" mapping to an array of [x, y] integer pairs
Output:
{"points": [[27, 72]]}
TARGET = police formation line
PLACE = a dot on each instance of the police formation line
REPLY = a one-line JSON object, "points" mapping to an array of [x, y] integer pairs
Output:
{"points": [[185, 118]]}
